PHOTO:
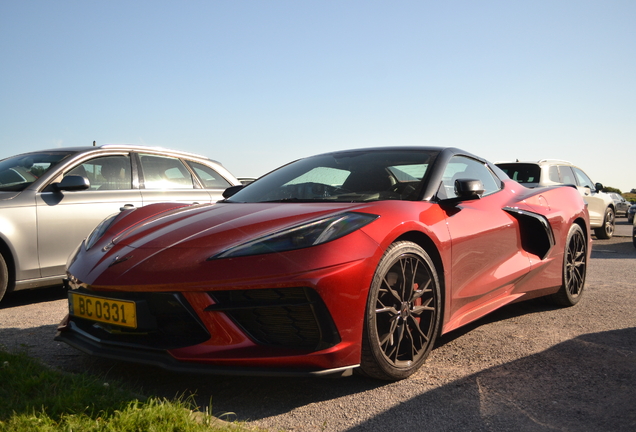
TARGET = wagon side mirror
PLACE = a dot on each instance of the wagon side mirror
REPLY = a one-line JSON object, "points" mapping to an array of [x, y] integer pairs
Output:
{"points": [[73, 183], [599, 187]]}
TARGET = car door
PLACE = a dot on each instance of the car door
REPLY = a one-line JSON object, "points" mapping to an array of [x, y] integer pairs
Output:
{"points": [[65, 218], [595, 203], [486, 253], [167, 179]]}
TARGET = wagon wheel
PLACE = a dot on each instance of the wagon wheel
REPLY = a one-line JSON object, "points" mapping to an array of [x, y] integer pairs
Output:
{"points": [[606, 231]]}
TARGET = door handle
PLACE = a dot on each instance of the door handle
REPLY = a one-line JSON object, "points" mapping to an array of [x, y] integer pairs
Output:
{"points": [[127, 207]]}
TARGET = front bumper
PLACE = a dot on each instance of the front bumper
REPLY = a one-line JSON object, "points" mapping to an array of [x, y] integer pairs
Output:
{"points": [[74, 337], [281, 331]]}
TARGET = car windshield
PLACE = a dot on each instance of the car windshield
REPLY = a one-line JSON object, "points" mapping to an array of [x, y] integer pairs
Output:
{"points": [[18, 172], [353, 176]]}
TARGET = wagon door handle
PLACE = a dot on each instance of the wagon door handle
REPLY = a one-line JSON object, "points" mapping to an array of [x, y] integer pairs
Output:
{"points": [[127, 207]]}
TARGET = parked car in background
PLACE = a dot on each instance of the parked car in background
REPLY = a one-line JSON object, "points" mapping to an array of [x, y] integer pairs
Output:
{"points": [[630, 213], [348, 260], [634, 231], [620, 204], [246, 180], [549, 172], [50, 200]]}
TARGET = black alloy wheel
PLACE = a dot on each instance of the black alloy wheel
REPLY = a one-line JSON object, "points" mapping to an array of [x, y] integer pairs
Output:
{"points": [[574, 268], [403, 313]]}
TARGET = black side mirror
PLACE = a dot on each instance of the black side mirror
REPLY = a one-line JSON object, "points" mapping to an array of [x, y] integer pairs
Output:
{"points": [[231, 191], [73, 183], [467, 189], [599, 187]]}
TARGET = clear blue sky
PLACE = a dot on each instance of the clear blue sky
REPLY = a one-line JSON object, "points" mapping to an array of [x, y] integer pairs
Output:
{"points": [[256, 84]]}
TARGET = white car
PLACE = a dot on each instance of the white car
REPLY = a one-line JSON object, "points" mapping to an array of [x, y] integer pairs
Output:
{"points": [[550, 172]]}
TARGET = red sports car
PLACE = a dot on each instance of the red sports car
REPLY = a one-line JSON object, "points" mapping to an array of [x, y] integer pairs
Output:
{"points": [[348, 260]]}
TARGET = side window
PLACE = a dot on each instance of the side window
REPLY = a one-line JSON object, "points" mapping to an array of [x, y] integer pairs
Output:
{"points": [[461, 167], [209, 178], [106, 172], [567, 175], [160, 172], [554, 174], [583, 179]]}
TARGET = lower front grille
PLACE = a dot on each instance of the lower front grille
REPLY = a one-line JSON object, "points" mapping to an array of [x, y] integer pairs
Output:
{"points": [[164, 321], [286, 317]]}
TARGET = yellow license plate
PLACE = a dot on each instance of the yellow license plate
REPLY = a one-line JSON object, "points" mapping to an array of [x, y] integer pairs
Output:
{"points": [[118, 312]]}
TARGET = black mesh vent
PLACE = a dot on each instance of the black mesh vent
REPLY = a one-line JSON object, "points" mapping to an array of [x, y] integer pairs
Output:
{"points": [[164, 321], [289, 317]]}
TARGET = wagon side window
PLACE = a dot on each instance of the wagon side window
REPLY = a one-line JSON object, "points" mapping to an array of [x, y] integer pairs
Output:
{"points": [[553, 174], [210, 178], [160, 172], [567, 176], [583, 179], [106, 172]]}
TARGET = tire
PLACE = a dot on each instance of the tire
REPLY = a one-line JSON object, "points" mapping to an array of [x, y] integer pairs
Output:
{"points": [[607, 230], [634, 235], [401, 324], [4, 277], [574, 268]]}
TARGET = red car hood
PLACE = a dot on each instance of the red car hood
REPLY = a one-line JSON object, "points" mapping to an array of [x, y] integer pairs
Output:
{"points": [[220, 226], [164, 242]]}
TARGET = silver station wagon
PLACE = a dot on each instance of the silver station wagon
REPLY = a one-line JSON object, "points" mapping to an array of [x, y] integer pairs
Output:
{"points": [[50, 200]]}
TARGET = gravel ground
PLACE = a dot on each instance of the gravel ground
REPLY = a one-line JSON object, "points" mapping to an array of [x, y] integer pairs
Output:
{"points": [[526, 367]]}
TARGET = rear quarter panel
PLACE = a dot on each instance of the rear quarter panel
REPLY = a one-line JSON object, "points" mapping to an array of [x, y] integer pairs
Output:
{"points": [[562, 206]]}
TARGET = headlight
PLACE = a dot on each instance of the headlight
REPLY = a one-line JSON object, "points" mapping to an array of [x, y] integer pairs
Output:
{"points": [[99, 231], [302, 236]]}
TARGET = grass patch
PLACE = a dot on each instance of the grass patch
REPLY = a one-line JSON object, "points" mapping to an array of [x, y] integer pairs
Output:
{"points": [[36, 397]]}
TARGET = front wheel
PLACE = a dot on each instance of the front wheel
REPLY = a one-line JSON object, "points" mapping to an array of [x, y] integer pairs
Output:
{"points": [[402, 315], [574, 268], [606, 231]]}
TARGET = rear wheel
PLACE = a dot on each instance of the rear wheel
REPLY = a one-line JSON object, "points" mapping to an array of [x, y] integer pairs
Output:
{"points": [[402, 314], [4, 277], [574, 268], [606, 231]]}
